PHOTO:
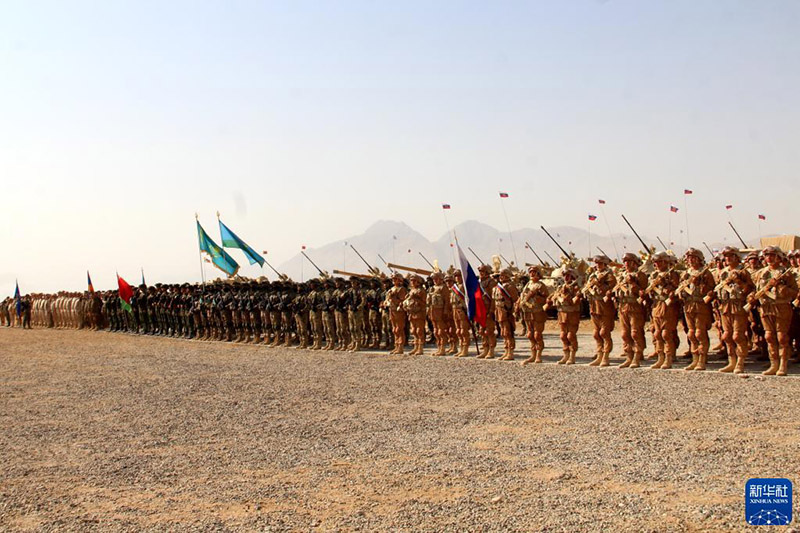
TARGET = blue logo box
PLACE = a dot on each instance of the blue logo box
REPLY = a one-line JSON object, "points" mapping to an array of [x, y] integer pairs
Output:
{"points": [[768, 501]]}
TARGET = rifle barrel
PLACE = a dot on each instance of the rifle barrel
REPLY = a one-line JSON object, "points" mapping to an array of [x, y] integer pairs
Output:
{"points": [[361, 256], [312, 262], [426, 259], [737, 235], [534, 252], [646, 248], [476, 255], [566, 254]]}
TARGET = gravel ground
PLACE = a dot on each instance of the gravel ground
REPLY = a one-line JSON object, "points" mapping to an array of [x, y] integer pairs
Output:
{"points": [[105, 431]]}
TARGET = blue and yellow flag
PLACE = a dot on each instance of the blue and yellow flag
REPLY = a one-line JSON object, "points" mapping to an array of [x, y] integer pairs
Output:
{"points": [[219, 257], [231, 240]]}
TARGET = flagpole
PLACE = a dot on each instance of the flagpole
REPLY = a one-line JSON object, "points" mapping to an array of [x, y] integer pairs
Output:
{"points": [[686, 214], [669, 227], [759, 232], [510, 237], [589, 226], [608, 227], [449, 235]]}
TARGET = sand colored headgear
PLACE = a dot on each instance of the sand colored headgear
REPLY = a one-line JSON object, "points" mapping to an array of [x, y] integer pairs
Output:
{"points": [[694, 252], [661, 256], [730, 250], [630, 256], [601, 259], [437, 275], [485, 268], [773, 250]]}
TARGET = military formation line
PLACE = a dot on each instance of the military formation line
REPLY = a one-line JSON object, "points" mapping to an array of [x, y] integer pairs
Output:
{"points": [[751, 300]]}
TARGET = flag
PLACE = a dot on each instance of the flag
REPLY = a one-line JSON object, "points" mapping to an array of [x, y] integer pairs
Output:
{"points": [[762, 217], [230, 240], [503, 195], [592, 217], [18, 300], [125, 294], [445, 206], [729, 207], [601, 202], [218, 256], [673, 209], [476, 309], [89, 281], [303, 247], [687, 191]]}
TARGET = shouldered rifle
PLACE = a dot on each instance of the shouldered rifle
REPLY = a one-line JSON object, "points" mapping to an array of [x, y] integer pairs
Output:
{"points": [[735, 276], [476, 255], [646, 248], [566, 254], [693, 278], [534, 252], [771, 284], [313, 263]]}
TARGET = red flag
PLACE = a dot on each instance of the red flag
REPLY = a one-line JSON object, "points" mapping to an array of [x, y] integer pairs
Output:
{"points": [[592, 217], [303, 247], [125, 294], [729, 206], [762, 217], [480, 307], [687, 191], [673, 209], [503, 195], [601, 202], [445, 206]]}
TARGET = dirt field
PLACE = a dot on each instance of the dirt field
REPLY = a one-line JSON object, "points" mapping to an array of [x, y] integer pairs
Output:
{"points": [[104, 431]]}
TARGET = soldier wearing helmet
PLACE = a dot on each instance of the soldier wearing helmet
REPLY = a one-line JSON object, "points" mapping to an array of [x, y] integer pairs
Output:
{"points": [[505, 295], [697, 285], [531, 304], [598, 290], [631, 284]]}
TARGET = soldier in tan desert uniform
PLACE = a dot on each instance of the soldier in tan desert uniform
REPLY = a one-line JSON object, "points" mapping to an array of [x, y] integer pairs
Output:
{"points": [[733, 285], [663, 282], [631, 284], [397, 314], [505, 296], [598, 290], [436, 305], [414, 305], [531, 306], [458, 303], [489, 332], [695, 290], [776, 289], [567, 300]]}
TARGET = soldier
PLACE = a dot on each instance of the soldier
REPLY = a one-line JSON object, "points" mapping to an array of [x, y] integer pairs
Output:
{"points": [[355, 314], [386, 319], [342, 299], [794, 329], [598, 290], [489, 331], [300, 310], [316, 305], [458, 304], [567, 300], [372, 301], [435, 303], [777, 288], [397, 314], [531, 305], [733, 285], [275, 307], [505, 295], [414, 305], [329, 314], [631, 283], [663, 282], [696, 288]]}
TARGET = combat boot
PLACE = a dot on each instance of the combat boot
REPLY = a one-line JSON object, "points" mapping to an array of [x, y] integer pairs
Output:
{"points": [[532, 358], [439, 349], [670, 357], [701, 362], [637, 360], [454, 349], [490, 353], [782, 367], [287, 340], [483, 352], [773, 367], [571, 359], [399, 346], [597, 359], [693, 364], [604, 359], [739, 365], [565, 358], [731, 364], [508, 355], [660, 362]]}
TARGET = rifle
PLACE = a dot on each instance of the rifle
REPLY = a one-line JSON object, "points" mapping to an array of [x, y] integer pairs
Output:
{"points": [[689, 280], [737, 235], [369, 267], [476, 255], [385, 263], [657, 281], [662, 243], [555, 263], [506, 260], [709, 249], [566, 254], [352, 274], [646, 248], [766, 288], [534, 253], [282, 277], [321, 273], [420, 271], [735, 275], [426, 260]]}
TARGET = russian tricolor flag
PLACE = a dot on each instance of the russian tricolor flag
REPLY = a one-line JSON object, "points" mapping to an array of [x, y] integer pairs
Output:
{"points": [[476, 309]]}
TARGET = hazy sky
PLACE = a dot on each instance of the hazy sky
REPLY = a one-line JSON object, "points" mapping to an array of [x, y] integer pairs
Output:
{"points": [[304, 122]]}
